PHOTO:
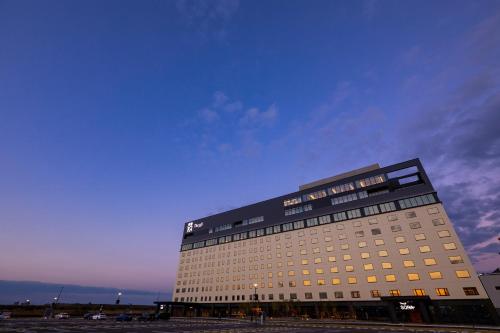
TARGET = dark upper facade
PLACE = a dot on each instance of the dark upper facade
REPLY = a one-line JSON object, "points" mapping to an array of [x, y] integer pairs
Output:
{"points": [[363, 192]]}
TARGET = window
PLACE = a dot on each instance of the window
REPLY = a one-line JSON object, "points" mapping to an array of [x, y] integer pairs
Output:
{"points": [[410, 215], [386, 265], [292, 201], [293, 296], [462, 274], [371, 210], [320, 282], [313, 196], [334, 269], [400, 239], [435, 275], [387, 207], [347, 257], [340, 226], [349, 268], [376, 231], [392, 218], [319, 271], [354, 213], [338, 294], [361, 244], [344, 246], [325, 219], [379, 242], [433, 210], [437, 222], [456, 260], [404, 251], [305, 272], [362, 194], [292, 284], [318, 260], [415, 225], [298, 225], [303, 251], [372, 221], [329, 248], [413, 277], [442, 292], [335, 281], [375, 293], [450, 246], [281, 296], [339, 217], [323, 295], [355, 294], [418, 292], [332, 259], [394, 292], [340, 188], [312, 222], [308, 295], [382, 253], [370, 181], [344, 198], [470, 291], [365, 255], [395, 228], [443, 233], [305, 261], [419, 237], [429, 261], [291, 273], [390, 278], [417, 201], [359, 234], [371, 279], [408, 263], [424, 249], [368, 267], [306, 282]]}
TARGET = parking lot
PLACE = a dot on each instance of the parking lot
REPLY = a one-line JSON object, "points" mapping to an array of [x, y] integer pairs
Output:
{"points": [[200, 325]]}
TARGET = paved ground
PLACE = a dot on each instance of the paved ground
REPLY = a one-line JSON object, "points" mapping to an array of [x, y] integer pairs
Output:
{"points": [[199, 325]]}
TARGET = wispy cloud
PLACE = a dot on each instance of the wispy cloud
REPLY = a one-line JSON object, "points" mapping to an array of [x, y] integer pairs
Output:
{"points": [[256, 117]]}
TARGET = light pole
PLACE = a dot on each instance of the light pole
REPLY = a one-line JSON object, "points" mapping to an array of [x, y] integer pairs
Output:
{"points": [[118, 299]]}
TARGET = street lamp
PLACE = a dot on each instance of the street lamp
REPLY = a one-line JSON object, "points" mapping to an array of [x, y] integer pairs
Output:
{"points": [[255, 296], [118, 299]]}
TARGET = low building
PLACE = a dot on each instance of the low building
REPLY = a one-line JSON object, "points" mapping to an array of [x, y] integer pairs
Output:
{"points": [[374, 244], [491, 283]]}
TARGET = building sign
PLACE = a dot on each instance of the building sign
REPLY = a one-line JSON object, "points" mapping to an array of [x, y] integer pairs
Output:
{"points": [[406, 306], [191, 225]]}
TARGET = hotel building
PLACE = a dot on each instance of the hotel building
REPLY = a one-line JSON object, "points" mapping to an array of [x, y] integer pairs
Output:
{"points": [[374, 244]]}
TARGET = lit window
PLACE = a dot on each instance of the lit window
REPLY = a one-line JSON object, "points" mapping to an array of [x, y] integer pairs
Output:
{"points": [[335, 281], [352, 280], [365, 255], [408, 263], [375, 293], [316, 250], [329, 248], [292, 284], [382, 253], [303, 251], [319, 271], [349, 268], [435, 275], [317, 260], [462, 274], [306, 282], [362, 244], [332, 259], [291, 273], [419, 237], [413, 276], [450, 246], [342, 236], [392, 218], [471, 291], [390, 278], [320, 282], [424, 249], [305, 261], [386, 265], [305, 272], [344, 246], [429, 261], [456, 260], [443, 233], [418, 292], [394, 292], [379, 242], [442, 292], [347, 257], [368, 267], [334, 269], [404, 251], [371, 279], [400, 239]]}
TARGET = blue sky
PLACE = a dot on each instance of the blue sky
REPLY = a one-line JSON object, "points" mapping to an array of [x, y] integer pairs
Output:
{"points": [[121, 120]]}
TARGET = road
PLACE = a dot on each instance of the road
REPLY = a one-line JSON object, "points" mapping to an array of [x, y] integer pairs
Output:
{"points": [[199, 325]]}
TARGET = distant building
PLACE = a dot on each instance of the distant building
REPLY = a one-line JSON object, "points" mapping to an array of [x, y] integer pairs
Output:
{"points": [[374, 243], [491, 283]]}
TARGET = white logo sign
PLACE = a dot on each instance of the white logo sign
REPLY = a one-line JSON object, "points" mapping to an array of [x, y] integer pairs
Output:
{"points": [[189, 227], [406, 306], [199, 225]]}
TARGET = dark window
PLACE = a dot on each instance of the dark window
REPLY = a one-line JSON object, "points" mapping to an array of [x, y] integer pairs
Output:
{"points": [[472, 291], [355, 294], [293, 296], [281, 296], [308, 295], [323, 296], [338, 294]]}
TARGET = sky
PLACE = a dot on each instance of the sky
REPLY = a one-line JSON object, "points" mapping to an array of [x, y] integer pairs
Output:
{"points": [[122, 120]]}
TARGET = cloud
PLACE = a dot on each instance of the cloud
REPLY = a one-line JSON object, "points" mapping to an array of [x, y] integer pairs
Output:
{"points": [[233, 107], [220, 99], [254, 116], [208, 115]]}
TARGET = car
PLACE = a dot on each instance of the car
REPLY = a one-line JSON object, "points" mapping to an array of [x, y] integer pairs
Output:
{"points": [[5, 315], [62, 315], [99, 316], [124, 317], [147, 317]]}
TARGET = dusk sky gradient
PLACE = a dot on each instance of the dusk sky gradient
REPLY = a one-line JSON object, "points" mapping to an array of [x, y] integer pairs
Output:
{"points": [[121, 120]]}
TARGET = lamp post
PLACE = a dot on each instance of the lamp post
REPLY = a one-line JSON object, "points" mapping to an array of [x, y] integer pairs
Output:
{"points": [[118, 299]]}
